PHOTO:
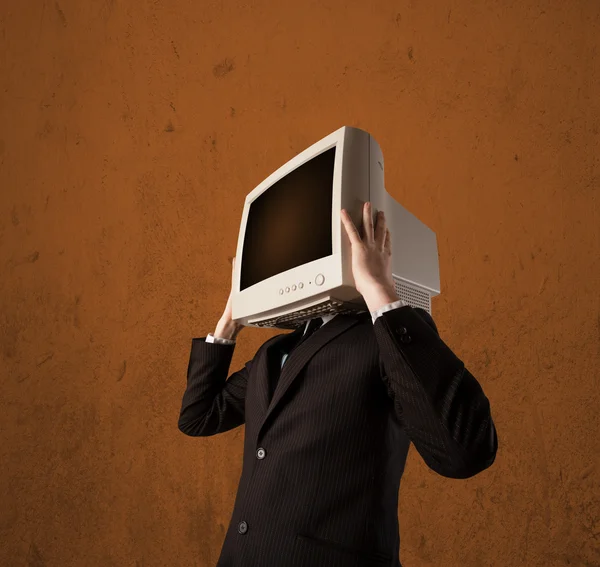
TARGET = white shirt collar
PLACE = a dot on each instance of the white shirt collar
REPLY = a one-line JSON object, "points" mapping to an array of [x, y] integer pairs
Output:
{"points": [[326, 318]]}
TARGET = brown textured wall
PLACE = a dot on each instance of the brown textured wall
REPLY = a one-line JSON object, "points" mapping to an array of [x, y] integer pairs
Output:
{"points": [[130, 134]]}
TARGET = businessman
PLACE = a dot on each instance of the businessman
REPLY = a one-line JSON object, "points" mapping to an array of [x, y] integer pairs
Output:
{"points": [[330, 411]]}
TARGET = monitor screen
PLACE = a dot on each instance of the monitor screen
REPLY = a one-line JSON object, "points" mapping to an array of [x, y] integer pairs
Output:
{"points": [[289, 224]]}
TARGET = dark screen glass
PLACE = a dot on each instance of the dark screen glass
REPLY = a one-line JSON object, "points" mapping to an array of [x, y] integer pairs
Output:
{"points": [[290, 223]]}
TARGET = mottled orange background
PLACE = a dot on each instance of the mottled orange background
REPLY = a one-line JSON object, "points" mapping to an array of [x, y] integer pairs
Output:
{"points": [[131, 133]]}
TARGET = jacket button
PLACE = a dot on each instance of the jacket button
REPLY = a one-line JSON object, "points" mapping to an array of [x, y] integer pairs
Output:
{"points": [[406, 339], [402, 330], [260, 454], [242, 527]]}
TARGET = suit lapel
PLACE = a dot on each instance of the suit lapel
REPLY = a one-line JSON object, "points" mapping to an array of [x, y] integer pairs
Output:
{"points": [[268, 368]]}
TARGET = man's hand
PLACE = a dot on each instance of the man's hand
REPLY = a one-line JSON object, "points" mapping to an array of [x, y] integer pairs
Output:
{"points": [[371, 259], [227, 328]]}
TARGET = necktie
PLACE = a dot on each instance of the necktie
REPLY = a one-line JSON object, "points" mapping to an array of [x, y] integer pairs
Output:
{"points": [[274, 377], [312, 327]]}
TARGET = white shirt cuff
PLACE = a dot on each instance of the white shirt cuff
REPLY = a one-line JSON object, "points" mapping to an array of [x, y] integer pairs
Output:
{"points": [[210, 338], [388, 307]]}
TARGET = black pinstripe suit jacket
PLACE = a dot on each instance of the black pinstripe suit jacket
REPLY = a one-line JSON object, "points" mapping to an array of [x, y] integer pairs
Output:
{"points": [[324, 457]]}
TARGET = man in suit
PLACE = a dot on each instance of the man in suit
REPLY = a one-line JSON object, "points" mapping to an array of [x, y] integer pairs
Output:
{"points": [[329, 417]]}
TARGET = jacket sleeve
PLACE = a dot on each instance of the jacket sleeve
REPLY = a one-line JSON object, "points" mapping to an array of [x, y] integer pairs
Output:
{"points": [[212, 403], [441, 405]]}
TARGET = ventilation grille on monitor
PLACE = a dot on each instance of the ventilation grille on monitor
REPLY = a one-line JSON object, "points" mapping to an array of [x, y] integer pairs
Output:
{"points": [[414, 296]]}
